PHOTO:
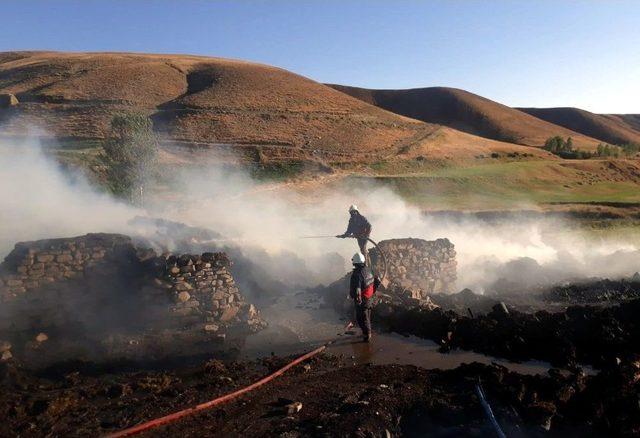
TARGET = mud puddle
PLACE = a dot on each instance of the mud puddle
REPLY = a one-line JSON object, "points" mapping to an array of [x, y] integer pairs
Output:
{"points": [[301, 322]]}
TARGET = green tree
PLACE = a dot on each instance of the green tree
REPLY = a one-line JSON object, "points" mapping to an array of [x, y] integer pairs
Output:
{"points": [[129, 155], [568, 146], [554, 145], [600, 150]]}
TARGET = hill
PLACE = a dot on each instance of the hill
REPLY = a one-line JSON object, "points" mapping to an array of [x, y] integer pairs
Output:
{"points": [[609, 128], [267, 113], [467, 112]]}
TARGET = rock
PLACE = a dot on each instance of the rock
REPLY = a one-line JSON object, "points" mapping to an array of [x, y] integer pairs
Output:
{"points": [[293, 408], [542, 413], [183, 286], [248, 312], [218, 295], [184, 296], [64, 258], [174, 270], [6, 355], [426, 303], [8, 100], [501, 308], [193, 303], [211, 328], [5, 346], [229, 313], [42, 337]]}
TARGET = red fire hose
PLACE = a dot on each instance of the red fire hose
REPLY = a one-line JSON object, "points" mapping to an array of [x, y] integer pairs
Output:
{"points": [[189, 411]]}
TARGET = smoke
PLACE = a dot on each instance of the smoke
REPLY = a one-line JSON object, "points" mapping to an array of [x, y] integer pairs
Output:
{"points": [[40, 200], [264, 225]]}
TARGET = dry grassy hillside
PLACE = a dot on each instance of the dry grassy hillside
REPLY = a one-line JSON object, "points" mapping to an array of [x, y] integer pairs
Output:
{"points": [[612, 129], [632, 120], [467, 112], [266, 112]]}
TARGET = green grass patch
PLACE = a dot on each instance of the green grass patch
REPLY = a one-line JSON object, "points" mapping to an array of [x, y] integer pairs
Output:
{"points": [[504, 185]]}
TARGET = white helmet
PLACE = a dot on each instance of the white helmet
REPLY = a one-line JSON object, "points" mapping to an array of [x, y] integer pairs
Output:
{"points": [[358, 259], [353, 208]]}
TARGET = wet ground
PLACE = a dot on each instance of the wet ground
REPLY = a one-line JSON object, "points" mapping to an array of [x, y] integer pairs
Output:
{"points": [[301, 322]]}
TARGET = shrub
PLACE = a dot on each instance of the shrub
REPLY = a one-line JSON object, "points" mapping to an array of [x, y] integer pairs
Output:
{"points": [[129, 155]]}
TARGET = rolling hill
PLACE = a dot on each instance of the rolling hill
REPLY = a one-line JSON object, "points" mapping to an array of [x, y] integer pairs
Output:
{"points": [[265, 112], [609, 128], [467, 112]]}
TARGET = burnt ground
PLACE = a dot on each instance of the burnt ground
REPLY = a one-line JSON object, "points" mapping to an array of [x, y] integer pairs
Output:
{"points": [[342, 399], [337, 400], [599, 336]]}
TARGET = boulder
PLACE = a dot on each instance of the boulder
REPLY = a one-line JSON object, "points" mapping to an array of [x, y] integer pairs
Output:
{"points": [[8, 100]]}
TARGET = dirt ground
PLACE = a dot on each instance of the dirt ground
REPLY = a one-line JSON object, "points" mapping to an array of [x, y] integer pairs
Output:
{"points": [[337, 400]]}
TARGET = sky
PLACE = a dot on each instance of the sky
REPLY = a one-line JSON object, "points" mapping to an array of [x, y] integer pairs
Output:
{"points": [[539, 53]]}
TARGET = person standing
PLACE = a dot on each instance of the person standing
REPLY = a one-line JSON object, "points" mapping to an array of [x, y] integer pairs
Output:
{"points": [[361, 290]]}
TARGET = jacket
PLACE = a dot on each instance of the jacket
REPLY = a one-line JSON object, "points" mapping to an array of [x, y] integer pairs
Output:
{"points": [[362, 282], [359, 226]]}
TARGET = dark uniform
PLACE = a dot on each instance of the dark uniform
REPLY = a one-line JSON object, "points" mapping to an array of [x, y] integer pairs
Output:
{"points": [[360, 228], [361, 290]]}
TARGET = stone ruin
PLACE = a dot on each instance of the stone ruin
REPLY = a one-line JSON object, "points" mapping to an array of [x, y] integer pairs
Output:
{"points": [[416, 268], [100, 296]]}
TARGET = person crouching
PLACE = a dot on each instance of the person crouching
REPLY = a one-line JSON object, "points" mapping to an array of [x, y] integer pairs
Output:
{"points": [[361, 291]]}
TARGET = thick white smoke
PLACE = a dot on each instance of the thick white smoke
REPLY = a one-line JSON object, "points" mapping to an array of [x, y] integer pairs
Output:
{"points": [[39, 200], [268, 223]]}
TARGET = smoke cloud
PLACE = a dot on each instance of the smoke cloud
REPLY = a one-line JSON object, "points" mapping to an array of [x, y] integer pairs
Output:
{"points": [[267, 225], [40, 200]]}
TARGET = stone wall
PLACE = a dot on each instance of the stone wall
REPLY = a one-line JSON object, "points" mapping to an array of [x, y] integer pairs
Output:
{"points": [[418, 266], [103, 292], [33, 265], [202, 286]]}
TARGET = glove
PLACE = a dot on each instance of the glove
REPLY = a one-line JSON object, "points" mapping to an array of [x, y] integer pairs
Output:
{"points": [[359, 299]]}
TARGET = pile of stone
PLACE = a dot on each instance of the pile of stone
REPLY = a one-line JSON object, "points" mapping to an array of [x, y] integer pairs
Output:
{"points": [[202, 286], [417, 268]]}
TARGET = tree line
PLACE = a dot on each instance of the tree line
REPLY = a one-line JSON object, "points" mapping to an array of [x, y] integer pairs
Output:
{"points": [[564, 148]]}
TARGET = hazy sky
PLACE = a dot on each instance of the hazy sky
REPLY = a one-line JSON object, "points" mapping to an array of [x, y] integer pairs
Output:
{"points": [[521, 53]]}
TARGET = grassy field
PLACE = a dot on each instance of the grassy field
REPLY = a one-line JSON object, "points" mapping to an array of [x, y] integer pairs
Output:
{"points": [[506, 185]]}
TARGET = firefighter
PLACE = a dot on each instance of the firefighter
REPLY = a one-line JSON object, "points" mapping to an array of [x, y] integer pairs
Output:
{"points": [[359, 227], [361, 290]]}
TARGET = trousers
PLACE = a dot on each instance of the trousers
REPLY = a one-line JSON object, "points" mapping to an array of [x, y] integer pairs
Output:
{"points": [[363, 315]]}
